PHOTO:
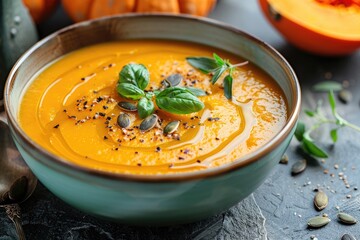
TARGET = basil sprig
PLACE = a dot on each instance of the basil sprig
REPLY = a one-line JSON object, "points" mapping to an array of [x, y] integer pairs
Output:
{"points": [[303, 135], [134, 78], [217, 67], [178, 100]]}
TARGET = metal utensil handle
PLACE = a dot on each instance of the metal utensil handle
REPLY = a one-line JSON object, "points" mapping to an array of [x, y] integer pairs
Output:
{"points": [[14, 213]]}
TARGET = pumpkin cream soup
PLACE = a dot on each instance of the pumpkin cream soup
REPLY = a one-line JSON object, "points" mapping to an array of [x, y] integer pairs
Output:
{"points": [[151, 107]]}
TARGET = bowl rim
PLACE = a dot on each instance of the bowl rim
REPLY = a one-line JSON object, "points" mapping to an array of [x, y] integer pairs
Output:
{"points": [[177, 177]]}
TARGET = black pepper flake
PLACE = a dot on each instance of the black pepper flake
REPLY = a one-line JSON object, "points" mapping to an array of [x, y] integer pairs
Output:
{"points": [[74, 117], [99, 99], [186, 151], [65, 110], [102, 114], [211, 119], [56, 126], [142, 140], [217, 138], [119, 140], [136, 152], [108, 118], [200, 149], [198, 161], [139, 164], [158, 149], [133, 138], [82, 79], [171, 165], [181, 158], [105, 137], [105, 107], [116, 149]]}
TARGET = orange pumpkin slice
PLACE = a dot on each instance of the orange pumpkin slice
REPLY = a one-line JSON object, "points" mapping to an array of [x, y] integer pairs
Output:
{"points": [[325, 27]]}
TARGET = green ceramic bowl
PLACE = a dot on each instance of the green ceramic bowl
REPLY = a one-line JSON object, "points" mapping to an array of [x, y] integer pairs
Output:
{"points": [[164, 199]]}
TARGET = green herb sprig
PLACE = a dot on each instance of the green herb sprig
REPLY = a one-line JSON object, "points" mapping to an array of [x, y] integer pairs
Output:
{"points": [[217, 67], [303, 135], [134, 78]]}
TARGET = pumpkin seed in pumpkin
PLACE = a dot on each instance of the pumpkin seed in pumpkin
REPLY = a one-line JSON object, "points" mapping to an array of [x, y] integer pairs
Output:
{"points": [[171, 127], [298, 167], [124, 120], [321, 200], [148, 123], [127, 106], [346, 218], [318, 221]]}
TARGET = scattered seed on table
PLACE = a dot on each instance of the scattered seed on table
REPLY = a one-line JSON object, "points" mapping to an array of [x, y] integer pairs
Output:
{"points": [[321, 200], [298, 167], [348, 237], [345, 96], [284, 159], [318, 221], [346, 218]]}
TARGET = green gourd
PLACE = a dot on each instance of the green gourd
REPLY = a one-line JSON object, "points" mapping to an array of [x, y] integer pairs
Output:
{"points": [[17, 34]]}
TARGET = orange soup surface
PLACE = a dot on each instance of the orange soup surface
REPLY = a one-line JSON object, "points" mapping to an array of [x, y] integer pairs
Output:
{"points": [[70, 108]]}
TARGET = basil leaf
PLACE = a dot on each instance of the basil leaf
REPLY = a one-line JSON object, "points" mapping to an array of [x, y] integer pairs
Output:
{"points": [[129, 90], [178, 100], [136, 74], [196, 91], [299, 131], [204, 64], [311, 148], [218, 59], [327, 86], [156, 92], [333, 135], [217, 74], [145, 107], [228, 81]]}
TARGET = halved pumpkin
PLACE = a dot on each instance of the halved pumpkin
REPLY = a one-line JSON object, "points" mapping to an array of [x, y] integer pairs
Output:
{"points": [[325, 27]]}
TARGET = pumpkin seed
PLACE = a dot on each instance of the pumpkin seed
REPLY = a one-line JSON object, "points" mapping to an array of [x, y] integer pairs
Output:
{"points": [[171, 127], [274, 14], [172, 80], [348, 237], [127, 106], [284, 159], [318, 222], [321, 200], [298, 167], [148, 123], [346, 218], [345, 96], [124, 120]]}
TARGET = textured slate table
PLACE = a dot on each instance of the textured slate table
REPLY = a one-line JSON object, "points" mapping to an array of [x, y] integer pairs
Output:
{"points": [[279, 209]]}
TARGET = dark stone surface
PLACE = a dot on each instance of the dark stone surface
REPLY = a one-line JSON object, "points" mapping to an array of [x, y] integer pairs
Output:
{"points": [[280, 208], [47, 217]]}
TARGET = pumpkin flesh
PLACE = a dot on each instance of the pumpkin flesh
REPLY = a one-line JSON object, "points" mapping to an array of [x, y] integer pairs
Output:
{"points": [[323, 27]]}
